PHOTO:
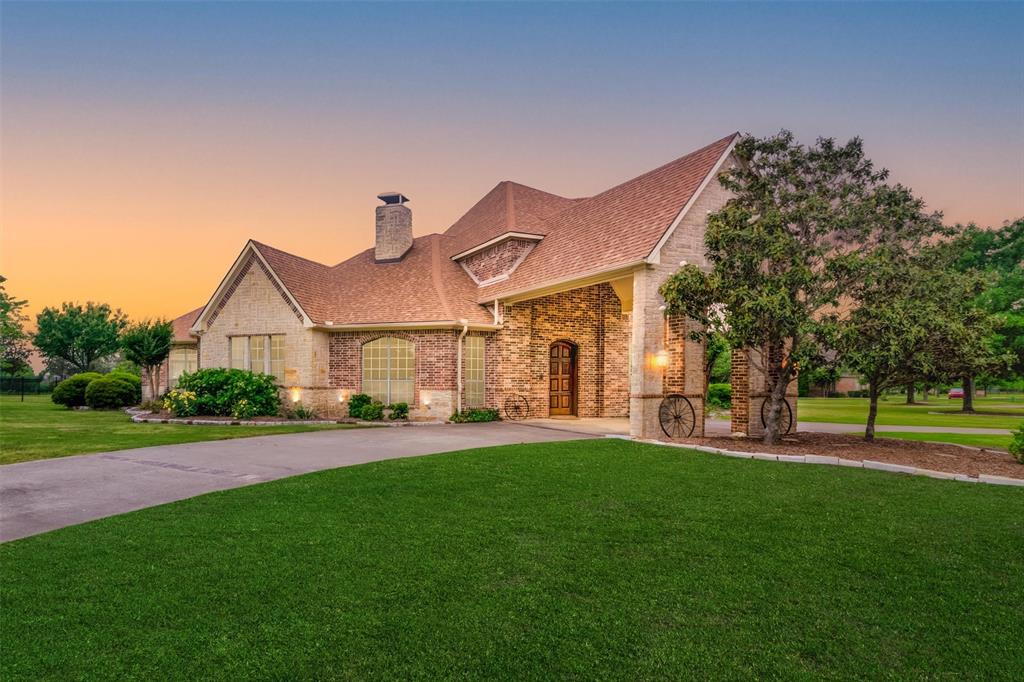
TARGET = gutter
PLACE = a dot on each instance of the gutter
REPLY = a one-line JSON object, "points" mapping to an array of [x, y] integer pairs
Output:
{"points": [[382, 326], [458, 364]]}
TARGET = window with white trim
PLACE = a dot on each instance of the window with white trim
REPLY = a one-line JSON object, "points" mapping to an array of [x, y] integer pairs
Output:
{"points": [[182, 360], [473, 363], [389, 370], [262, 353]]}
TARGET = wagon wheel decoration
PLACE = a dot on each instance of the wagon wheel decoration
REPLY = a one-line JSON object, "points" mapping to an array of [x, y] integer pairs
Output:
{"points": [[676, 416], [516, 407], [785, 416]]}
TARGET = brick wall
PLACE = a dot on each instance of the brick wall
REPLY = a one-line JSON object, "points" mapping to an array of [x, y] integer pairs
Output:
{"points": [[436, 362], [592, 319], [497, 260]]}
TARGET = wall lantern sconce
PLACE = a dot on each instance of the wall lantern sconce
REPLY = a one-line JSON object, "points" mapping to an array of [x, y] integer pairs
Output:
{"points": [[342, 396], [296, 394], [661, 359], [425, 398]]}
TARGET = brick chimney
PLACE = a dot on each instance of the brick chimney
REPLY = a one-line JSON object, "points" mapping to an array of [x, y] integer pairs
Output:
{"points": [[394, 228]]}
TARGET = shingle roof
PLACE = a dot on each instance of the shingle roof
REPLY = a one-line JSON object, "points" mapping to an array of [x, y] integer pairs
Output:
{"points": [[182, 324], [617, 227]]}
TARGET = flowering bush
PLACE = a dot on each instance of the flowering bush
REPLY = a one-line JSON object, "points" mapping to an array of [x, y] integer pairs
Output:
{"points": [[219, 391], [243, 409], [181, 403]]}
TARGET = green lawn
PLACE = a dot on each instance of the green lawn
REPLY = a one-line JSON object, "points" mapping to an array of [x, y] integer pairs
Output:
{"points": [[894, 411], [587, 559], [975, 440], [38, 429]]}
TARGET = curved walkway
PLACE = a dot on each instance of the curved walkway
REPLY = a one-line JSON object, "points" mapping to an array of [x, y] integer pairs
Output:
{"points": [[43, 495]]}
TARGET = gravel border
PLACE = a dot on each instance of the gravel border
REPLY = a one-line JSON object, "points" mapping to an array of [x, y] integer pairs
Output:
{"points": [[837, 461]]}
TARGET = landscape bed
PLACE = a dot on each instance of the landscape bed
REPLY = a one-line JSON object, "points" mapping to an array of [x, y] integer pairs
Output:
{"points": [[926, 455], [585, 559]]}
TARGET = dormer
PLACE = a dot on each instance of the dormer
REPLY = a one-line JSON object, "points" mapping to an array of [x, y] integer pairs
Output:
{"points": [[497, 258]]}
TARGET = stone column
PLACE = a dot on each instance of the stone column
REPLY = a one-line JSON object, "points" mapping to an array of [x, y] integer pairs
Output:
{"points": [[648, 382]]}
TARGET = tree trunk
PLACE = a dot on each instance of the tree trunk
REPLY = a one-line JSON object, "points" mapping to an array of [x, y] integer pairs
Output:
{"points": [[968, 394], [924, 393], [869, 429], [154, 381], [910, 393], [775, 398]]}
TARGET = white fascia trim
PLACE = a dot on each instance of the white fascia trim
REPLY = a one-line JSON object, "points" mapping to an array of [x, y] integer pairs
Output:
{"points": [[655, 256], [504, 236], [555, 286], [379, 326], [230, 276]]}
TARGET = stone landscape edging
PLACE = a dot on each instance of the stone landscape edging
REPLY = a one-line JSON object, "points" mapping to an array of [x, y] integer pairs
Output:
{"points": [[144, 417], [991, 479]]}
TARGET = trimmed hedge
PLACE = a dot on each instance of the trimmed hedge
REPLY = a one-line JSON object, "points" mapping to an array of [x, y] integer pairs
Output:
{"points": [[356, 404], [399, 411], [71, 391], [130, 378], [372, 412], [220, 392], [481, 414], [110, 392]]}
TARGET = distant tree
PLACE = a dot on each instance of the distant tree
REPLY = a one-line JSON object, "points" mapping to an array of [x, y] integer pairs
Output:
{"points": [[781, 250], [148, 344], [999, 253], [14, 340], [717, 360], [79, 335], [913, 316]]}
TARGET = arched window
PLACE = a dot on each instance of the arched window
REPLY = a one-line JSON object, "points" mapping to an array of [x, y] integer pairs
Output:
{"points": [[389, 370]]}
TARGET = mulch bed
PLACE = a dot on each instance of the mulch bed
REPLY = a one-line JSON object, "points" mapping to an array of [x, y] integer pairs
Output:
{"points": [[936, 456], [164, 414]]}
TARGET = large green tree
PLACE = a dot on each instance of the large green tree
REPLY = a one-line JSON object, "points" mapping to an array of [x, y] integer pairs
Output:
{"points": [[79, 335], [999, 253], [147, 344], [780, 250], [14, 340]]}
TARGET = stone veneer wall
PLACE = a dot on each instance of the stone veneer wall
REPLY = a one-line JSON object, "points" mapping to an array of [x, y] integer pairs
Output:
{"points": [[436, 362], [590, 317], [255, 305], [496, 260]]}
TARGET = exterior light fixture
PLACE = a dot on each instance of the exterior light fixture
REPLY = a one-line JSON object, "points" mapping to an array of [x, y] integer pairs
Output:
{"points": [[661, 359], [296, 394], [342, 396], [425, 398]]}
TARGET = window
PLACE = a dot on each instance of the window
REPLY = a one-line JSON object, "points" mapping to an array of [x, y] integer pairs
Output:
{"points": [[389, 370], [260, 353], [182, 360], [474, 371]]}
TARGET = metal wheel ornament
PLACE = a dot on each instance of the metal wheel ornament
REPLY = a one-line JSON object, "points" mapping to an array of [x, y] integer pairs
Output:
{"points": [[785, 416], [676, 416], [516, 407]]}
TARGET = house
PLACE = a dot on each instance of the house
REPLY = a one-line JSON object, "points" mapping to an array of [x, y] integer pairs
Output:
{"points": [[530, 299]]}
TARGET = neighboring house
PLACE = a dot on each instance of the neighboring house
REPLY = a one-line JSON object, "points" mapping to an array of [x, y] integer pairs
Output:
{"points": [[528, 296]]}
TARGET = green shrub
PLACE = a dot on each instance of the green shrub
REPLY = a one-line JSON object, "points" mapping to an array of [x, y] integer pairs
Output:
{"points": [[71, 391], [243, 409], [300, 411], [356, 404], [399, 410], [479, 414], [720, 396], [180, 403], [1017, 444], [130, 378], [152, 405], [218, 391], [109, 392], [372, 412]]}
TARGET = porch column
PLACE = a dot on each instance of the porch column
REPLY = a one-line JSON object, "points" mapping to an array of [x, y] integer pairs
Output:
{"points": [[645, 379]]}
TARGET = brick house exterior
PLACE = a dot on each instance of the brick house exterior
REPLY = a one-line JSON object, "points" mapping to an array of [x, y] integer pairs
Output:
{"points": [[529, 296]]}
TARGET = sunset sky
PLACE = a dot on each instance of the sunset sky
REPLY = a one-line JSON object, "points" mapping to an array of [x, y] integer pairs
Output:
{"points": [[143, 143]]}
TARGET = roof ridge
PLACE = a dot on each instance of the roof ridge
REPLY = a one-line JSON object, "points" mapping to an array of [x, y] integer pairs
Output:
{"points": [[666, 165], [510, 205], [288, 253]]}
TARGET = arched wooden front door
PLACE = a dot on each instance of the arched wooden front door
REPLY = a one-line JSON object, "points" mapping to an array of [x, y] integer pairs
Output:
{"points": [[562, 392]]}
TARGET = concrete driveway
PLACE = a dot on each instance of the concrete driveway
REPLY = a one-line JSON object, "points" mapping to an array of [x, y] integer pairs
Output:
{"points": [[47, 494]]}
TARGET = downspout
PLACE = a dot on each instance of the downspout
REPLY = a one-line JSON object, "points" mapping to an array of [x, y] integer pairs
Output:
{"points": [[458, 364]]}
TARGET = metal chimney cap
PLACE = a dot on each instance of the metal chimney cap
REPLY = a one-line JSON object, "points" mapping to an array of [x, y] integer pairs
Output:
{"points": [[393, 197]]}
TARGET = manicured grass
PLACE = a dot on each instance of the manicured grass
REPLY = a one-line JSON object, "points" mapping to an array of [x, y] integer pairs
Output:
{"points": [[39, 429], [587, 559], [894, 411], [975, 440]]}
